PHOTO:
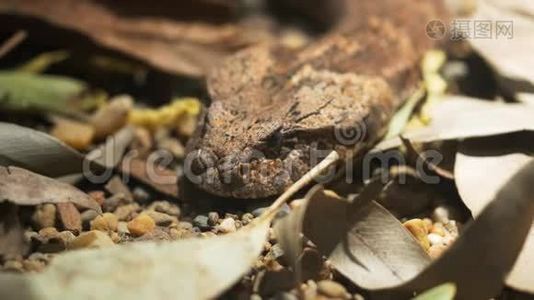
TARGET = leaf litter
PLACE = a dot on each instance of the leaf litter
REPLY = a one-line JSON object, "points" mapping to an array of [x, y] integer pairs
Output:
{"points": [[363, 242]]}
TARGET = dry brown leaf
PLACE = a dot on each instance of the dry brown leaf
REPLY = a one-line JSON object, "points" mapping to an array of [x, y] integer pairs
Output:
{"points": [[23, 187], [481, 257], [462, 117], [511, 56], [363, 241], [178, 47], [493, 162]]}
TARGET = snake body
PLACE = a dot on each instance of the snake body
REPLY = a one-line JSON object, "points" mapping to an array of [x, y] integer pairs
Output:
{"points": [[273, 106]]}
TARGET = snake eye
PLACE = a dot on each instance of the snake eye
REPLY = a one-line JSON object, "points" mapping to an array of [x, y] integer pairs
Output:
{"points": [[274, 140], [202, 160]]}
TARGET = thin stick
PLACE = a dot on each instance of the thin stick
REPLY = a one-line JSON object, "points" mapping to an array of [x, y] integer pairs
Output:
{"points": [[302, 182], [12, 42]]}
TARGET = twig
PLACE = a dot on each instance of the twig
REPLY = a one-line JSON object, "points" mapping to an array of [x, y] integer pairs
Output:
{"points": [[302, 182], [12, 42]]}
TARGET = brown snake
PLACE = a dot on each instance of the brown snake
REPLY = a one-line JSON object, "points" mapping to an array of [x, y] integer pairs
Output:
{"points": [[273, 106]]}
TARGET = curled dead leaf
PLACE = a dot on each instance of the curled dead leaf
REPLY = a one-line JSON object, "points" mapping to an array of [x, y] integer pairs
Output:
{"points": [[23, 187], [494, 161]]}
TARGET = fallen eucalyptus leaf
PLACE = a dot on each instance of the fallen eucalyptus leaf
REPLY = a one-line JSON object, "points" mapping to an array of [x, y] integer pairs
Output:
{"points": [[461, 117], [445, 291], [482, 256], [494, 161], [362, 240], [187, 269], [23, 187], [49, 93], [36, 151], [509, 50]]}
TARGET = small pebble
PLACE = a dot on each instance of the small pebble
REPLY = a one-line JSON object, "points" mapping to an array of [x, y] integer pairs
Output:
{"points": [[331, 289], [247, 218], [98, 196], [227, 225], [116, 186], [160, 218], [230, 215], [418, 229], [65, 237], [184, 225], [141, 224], [140, 195], [452, 228], [13, 265], [87, 216], [435, 239], [33, 265], [436, 251], [213, 218], [105, 222], [125, 212], [115, 237], [91, 239], [113, 202], [438, 229], [44, 216], [201, 222], [122, 227], [441, 214], [428, 224], [48, 232], [165, 207]]}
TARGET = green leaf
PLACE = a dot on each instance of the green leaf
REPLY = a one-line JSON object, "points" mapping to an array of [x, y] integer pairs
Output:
{"points": [[25, 91], [445, 291]]}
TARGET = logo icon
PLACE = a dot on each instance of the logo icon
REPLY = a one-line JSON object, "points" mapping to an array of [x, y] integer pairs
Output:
{"points": [[435, 29]]}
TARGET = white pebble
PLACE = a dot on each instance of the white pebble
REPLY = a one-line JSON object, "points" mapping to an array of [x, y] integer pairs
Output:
{"points": [[435, 239], [441, 214], [227, 225]]}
